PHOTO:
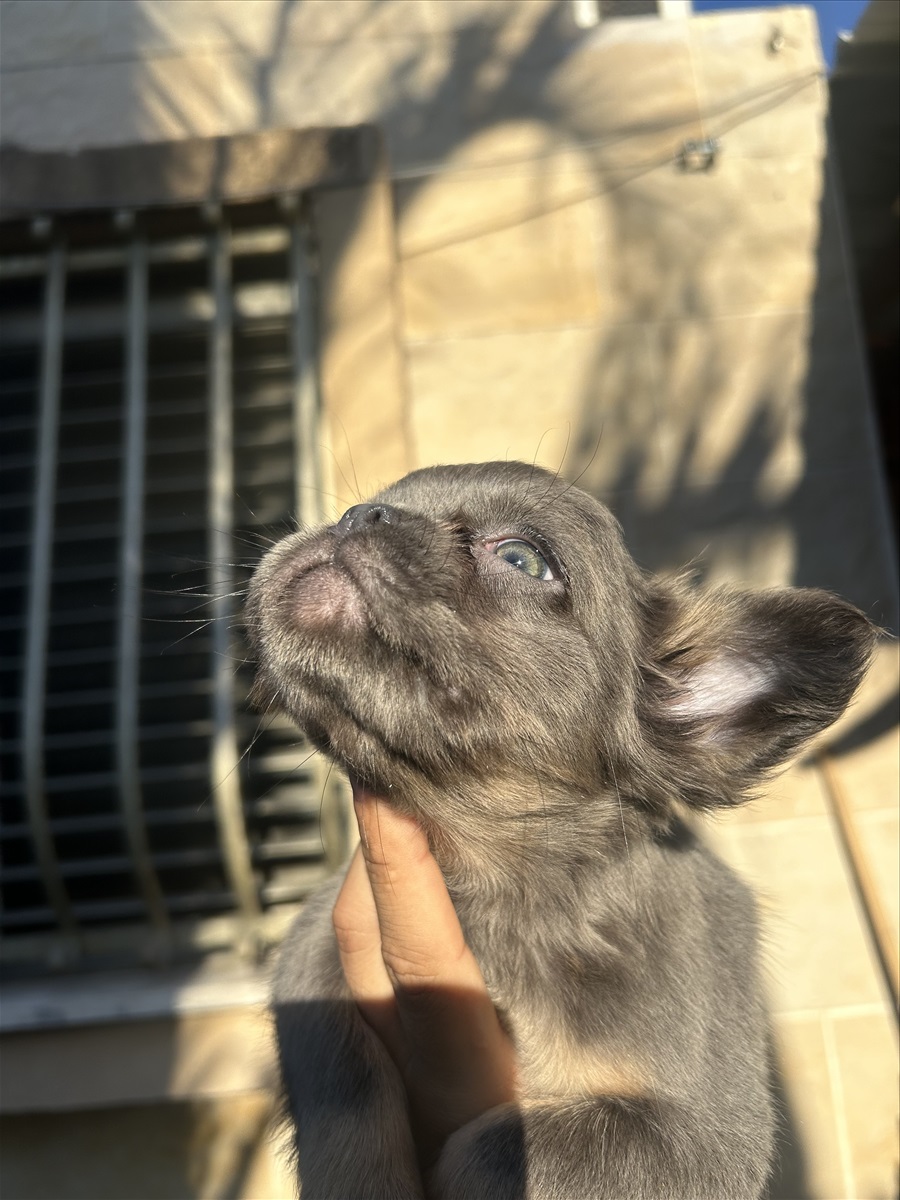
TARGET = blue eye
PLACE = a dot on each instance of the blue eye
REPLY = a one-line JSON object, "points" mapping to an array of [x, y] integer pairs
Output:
{"points": [[524, 557]]}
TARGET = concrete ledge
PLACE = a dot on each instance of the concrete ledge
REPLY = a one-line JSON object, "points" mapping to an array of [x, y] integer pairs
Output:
{"points": [[189, 171], [136, 1062], [67, 1001], [133, 1037]]}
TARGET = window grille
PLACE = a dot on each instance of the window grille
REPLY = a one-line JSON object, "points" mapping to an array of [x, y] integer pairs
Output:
{"points": [[157, 424]]}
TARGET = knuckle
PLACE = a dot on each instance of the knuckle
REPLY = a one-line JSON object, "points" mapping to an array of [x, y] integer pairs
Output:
{"points": [[352, 936], [349, 941], [423, 967], [411, 971]]}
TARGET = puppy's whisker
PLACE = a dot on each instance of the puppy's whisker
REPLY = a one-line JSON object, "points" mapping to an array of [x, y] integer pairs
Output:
{"points": [[612, 767], [355, 489], [322, 796], [585, 468], [196, 621], [565, 453], [536, 775], [322, 494], [184, 638], [288, 775], [537, 451], [228, 774]]}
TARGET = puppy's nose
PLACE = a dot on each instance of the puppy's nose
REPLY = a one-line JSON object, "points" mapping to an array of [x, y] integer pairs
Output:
{"points": [[362, 515]]}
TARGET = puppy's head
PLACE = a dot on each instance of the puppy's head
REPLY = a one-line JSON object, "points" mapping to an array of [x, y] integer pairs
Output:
{"points": [[477, 625]]}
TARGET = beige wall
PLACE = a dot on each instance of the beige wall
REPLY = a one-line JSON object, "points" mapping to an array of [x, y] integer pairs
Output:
{"points": [[541, 281], [563, 290]]}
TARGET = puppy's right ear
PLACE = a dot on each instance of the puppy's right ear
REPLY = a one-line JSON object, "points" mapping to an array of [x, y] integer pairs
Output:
{"points": [[739, 681]]}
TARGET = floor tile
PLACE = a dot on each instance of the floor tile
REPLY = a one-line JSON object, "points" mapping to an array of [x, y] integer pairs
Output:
{"points": [[810, 1165], [866, 1051], [879, 834], [816, 948], [796, 792]]}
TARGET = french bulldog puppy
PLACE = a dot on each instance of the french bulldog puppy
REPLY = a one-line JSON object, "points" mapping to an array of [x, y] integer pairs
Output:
{"points": [[477, 645]]}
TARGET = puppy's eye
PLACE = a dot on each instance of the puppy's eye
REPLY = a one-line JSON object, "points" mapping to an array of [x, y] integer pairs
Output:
{"points": [[524, 557]]}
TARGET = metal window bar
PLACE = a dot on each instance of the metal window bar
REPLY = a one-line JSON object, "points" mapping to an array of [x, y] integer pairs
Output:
{"points": [[306, 400], [225, 758], [39, 592], [96, 800], [130, 576]]}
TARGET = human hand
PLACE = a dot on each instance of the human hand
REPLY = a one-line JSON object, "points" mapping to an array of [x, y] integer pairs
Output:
{"points": [[415, 980]]}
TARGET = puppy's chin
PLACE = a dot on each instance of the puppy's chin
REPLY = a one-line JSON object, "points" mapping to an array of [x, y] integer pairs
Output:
{"points": [[324, 599]]}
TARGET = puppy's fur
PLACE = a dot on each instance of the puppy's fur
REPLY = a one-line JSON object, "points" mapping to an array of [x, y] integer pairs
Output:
{"points": [[546, 731]]}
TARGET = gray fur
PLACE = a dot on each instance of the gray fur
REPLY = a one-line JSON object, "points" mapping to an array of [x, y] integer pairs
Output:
{"points": [[546, 733]]}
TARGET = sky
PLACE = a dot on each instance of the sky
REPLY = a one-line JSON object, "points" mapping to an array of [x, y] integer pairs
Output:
{"points": [[834, 16]]}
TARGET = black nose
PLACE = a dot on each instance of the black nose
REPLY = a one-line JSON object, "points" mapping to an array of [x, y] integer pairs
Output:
{"points": [[361, 515]]}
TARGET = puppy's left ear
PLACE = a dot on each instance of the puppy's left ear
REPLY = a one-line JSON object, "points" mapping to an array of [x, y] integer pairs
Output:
{"points": [[740, 680]]}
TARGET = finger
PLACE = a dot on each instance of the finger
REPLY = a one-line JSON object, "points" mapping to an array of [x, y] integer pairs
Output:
{"points": [[449, 1021], [355, 920], [422, 942]]}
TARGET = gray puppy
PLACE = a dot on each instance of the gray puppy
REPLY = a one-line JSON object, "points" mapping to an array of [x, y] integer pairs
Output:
{"points": [[478, 645]]}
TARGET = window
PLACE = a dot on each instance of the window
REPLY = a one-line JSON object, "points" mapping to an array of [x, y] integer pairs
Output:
{"points": [[158, 425]]}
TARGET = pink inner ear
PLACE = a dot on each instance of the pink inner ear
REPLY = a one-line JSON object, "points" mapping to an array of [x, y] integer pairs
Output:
{"points": [[722, 687]]}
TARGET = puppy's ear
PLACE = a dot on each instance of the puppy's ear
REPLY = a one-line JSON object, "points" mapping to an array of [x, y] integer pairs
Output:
{"points": [[738, 681]]}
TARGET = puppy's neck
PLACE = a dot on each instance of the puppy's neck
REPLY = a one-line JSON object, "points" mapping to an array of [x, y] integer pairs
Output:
{"points": [[516, 837]]}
